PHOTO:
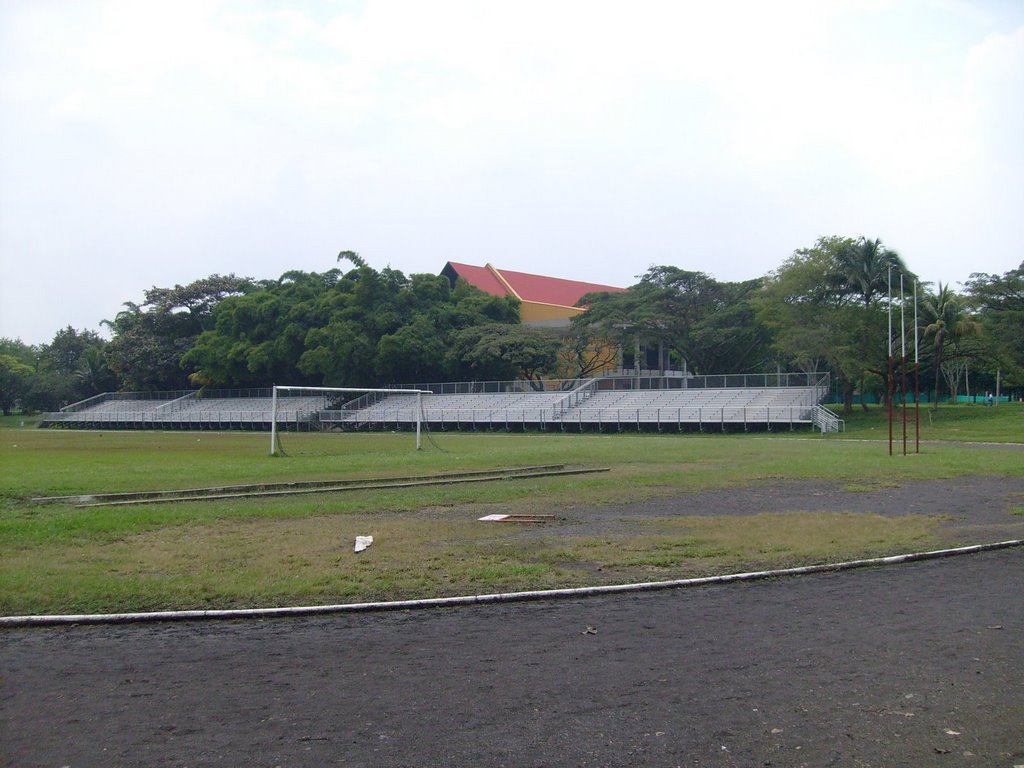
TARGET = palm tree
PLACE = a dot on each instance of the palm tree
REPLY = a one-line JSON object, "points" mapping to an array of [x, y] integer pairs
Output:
{"points": [[862, 272], [863, 268], [948, 323], [92, 372]]}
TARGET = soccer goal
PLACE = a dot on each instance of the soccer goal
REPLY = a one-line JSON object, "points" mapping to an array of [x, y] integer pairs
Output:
{"points": [[290, 404]]}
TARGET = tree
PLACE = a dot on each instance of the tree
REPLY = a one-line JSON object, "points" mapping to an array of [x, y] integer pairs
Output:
{"points": [[863, 272], [998, 301], [17, 368], [20, 351], [415, 353], [150, 339], [826, 303], [863, 267], [58, 378], [499, 351], [15, 379], [585, 352], [801, 309], [335, 329], [93, 374], [948, 323], [709, 324]]}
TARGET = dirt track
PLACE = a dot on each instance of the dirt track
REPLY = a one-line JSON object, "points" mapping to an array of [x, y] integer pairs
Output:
{"points": [[913, 665]]}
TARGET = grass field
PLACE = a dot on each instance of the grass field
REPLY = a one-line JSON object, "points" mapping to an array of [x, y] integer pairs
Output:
{"points": [[428, 542]]}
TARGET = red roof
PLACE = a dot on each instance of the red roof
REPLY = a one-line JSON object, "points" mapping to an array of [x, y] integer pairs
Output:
{"points": [[552, 290], [479, 277], [533, 288]]}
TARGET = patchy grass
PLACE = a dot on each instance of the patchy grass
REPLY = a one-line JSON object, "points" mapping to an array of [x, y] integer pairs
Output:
{"points": [[1003, 423], [277, 562], [54, 558]]}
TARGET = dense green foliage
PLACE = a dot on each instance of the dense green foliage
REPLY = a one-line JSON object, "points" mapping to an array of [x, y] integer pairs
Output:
{"points": [[150, 339], [706, 323], [828, 305], [71, 367], [352, 329], [998, 301], [824, 309]]}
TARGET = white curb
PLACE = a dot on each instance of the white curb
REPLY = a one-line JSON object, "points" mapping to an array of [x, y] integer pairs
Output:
{"points": [[505, 597]]}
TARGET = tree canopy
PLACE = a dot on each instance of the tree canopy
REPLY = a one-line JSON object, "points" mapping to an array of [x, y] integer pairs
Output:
{"points": [[826, 305], [150, 339], [998, 301], [824, 308], [359, 328], [709, 324]]}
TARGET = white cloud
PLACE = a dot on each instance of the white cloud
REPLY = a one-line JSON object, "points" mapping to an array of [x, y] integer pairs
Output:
{"points": [[147, 144]]}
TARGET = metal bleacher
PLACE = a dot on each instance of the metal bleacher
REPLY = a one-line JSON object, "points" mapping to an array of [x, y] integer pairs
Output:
{"points": [[607, 404], [745, 402], [241, 409]]}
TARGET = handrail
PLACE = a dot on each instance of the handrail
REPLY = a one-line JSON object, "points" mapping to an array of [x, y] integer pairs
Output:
{"points": [[572, 399], [87, 403], [826, 420], [171, 403]]}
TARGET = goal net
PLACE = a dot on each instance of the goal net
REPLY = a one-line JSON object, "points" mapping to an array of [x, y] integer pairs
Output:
{"points": [[340, 405]]}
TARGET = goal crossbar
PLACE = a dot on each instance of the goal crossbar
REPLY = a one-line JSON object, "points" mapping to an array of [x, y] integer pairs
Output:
{"points": [[364, 390]]}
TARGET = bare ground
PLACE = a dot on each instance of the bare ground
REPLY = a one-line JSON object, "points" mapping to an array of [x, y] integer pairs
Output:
{"points": [[912, 665]]}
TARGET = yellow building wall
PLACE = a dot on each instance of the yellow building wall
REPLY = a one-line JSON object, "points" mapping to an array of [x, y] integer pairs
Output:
{"points": [[534, 312]]}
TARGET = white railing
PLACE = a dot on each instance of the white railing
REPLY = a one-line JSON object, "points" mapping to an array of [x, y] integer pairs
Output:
{"points": [[573, 400], [826, 420]]}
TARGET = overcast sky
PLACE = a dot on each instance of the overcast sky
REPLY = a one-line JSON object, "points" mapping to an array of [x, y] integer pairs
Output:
{"points": [[152, 143]]}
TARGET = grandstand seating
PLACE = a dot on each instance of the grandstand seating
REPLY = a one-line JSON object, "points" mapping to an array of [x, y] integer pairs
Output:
{"points": [[601, 410], [189, 412], [588, 406]]}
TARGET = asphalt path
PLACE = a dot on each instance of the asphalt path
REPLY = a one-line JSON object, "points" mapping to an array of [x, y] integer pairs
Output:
{"points": [[920, 664]]}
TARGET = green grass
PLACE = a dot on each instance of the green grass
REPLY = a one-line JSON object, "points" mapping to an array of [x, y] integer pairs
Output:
{"points": [[54, 558], [1003, 423], [20, 421]]}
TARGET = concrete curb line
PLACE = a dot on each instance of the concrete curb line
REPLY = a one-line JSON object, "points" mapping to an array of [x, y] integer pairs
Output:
{"points": [[506, 597]]}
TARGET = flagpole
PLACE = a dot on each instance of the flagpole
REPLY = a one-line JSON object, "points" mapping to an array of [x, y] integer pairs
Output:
{"points": [[917, 381], [889, 340], [903, 366]]}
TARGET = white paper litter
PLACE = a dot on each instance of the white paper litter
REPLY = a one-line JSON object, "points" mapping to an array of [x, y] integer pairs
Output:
{"points": [[362, 542], [493, 518]]}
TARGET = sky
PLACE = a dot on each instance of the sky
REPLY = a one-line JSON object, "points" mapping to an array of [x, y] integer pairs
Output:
{"points": [[147, 143]]}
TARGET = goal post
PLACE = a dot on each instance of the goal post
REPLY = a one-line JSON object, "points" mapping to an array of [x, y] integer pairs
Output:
{"points": [[275, 409]]}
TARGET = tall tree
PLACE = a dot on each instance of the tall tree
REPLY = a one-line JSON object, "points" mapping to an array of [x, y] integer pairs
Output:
{"points": [[352, 329], [709, 324], [499, 351], [947, 324], [864, 271], [150, 339], [15, 380], [58, 379], [17, 368], [827, 302], [998, 301], [863, 267]]}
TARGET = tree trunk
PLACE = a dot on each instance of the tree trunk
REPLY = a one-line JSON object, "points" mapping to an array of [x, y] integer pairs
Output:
{"points": [[847, 396], [937, 367]]}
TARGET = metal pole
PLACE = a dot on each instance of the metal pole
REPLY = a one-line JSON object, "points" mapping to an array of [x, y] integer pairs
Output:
{"points": [[903, 365], [889, 343], [419, 416], [273, 421], [917, 381]]}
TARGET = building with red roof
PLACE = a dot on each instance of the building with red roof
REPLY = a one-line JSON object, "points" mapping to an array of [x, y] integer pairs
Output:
{"points": [[549, 301]]}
